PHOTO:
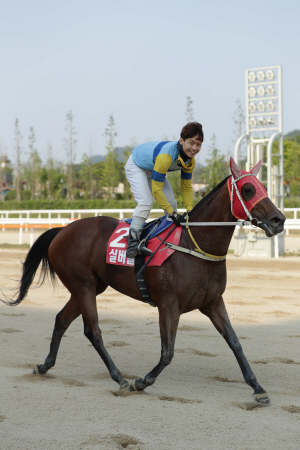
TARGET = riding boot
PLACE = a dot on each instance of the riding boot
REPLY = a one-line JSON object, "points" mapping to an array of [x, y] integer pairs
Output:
{"points": [[135, 247]]}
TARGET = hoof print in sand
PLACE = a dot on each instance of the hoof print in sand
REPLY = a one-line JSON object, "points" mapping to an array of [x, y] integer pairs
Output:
{"points": [[71, 382], [113, 442], [250, 406], [292, 409], [125, 392], [194, 351], [226, 380], [10, 330], [189, 328], [36, 377], [124, 441], [168, 398], [116, 344], [110, 322], [276, 360]]}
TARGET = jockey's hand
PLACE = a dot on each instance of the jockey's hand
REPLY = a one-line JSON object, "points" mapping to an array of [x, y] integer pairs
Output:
{"points": [[177, 218]]}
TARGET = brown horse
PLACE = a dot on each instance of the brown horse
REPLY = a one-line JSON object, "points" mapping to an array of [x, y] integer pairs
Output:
{"points": [[77, 254]]}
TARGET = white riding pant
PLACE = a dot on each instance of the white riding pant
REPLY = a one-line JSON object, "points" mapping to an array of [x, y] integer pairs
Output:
{"points": [[141, 184]]}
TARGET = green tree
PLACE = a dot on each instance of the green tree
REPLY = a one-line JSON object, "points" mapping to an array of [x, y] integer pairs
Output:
{"points": [[69, 143], [127, 189], [34, 165], [189, 113], [217, 168], [85, 173], [18, 139], [111, 163], [291, 165], [51, 172], [239, 120]]}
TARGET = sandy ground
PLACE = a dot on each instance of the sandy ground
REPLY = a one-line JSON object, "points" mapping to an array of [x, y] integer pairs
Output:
{"points": [[199, 402]]}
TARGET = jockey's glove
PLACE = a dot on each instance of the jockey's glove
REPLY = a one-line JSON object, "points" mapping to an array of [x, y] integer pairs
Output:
{"points": [[177, 218]]}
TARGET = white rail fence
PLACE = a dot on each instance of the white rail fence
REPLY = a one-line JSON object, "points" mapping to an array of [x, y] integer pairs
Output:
{"points": [[38, 219]]}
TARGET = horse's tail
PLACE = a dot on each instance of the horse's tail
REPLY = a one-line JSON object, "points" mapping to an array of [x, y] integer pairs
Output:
{"points": [[37, 253]]}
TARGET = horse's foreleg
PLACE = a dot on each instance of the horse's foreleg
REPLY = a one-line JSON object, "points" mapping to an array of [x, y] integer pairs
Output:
{"points": [[63, 320], [218, 315], [168, 322]]}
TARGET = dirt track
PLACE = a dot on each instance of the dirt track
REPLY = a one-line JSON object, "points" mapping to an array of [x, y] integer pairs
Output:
{"points": [[199, 401]]}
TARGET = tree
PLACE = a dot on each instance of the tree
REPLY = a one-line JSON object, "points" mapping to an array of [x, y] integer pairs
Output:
{"points": [[85, 173], [34, 164], [216, 169], [111, 163], [291, 158], [189, 113], [18, 139], [91, 171], [127, 189], [69, 143], [50, 174], [238, 118]]}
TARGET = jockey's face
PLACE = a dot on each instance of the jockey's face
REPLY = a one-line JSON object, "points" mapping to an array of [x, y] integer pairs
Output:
{"points": [[191, 146]]}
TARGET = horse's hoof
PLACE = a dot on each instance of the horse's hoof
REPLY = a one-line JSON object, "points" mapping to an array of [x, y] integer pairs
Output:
{"points": [[262, 398], [124, 385], [135, 386], [38, 370]]}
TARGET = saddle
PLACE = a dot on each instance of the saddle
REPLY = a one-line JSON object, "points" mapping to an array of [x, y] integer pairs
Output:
{"points": [[154, 234]]}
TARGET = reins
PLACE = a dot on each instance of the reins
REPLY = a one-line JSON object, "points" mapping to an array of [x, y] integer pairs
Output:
{"points": [[197, 251]]}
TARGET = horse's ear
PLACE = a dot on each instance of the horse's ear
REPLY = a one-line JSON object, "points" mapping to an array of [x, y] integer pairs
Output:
{"points": [[234, 169], [256, 168]]}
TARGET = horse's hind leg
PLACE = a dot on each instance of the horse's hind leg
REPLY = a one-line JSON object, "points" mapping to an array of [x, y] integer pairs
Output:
{"points": [[168, 322], [93, 333], [63, 320], [219, 317]]}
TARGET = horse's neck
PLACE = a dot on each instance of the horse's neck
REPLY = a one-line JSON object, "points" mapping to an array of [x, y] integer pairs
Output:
{"points": [[214, 239]]}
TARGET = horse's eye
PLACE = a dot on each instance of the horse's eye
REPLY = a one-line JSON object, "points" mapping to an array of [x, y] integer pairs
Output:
{"points": [[248, 191]]}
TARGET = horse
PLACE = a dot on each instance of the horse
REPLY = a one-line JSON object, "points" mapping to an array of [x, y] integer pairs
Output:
{"points": [[77, 255]]}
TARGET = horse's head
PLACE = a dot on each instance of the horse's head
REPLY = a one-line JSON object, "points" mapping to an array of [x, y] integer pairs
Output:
{"points": [[249, 199]]}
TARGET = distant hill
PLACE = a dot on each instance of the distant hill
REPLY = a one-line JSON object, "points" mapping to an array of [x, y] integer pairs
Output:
{"points": [[292, 134], [120, 152], [100, 158], [97, 158]]}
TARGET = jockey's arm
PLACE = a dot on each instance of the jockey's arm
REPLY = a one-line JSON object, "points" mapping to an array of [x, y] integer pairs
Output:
{"points": [[186, 186], [161, 166]]}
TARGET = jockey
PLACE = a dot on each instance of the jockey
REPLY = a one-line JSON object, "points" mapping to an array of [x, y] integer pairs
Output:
{"points": [[146, 171]]}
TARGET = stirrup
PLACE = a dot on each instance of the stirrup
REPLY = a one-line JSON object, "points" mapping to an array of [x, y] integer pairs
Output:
{"points": [[142, 250]]}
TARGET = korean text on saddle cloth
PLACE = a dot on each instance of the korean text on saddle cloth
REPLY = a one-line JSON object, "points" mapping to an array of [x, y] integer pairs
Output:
{"points": [[117, 245]]}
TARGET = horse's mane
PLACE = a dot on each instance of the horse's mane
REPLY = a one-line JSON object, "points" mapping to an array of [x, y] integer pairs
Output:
{"points": [[205, 199]]}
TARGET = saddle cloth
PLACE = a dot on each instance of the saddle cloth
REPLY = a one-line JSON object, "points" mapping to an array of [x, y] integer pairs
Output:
{"points": [[117, 244]]}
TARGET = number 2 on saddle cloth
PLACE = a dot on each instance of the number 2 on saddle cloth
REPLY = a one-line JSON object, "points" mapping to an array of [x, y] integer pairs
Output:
{"points": [[117, 245]]}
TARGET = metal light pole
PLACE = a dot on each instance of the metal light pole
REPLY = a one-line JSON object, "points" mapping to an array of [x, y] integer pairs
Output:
{"points": [[263, 127]]}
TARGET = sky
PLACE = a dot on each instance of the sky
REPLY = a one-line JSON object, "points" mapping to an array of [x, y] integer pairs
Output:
{"points": [[138, 61]]}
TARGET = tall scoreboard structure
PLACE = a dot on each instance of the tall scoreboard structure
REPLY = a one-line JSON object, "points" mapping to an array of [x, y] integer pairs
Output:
{"points": [[264, 127], [264, 136]]}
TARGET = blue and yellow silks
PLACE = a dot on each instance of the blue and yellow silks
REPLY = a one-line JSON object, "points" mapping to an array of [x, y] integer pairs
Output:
{"points": [[161, 157]]}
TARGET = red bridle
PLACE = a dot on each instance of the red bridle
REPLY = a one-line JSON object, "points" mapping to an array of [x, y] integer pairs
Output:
{"points": [[239, 207]]}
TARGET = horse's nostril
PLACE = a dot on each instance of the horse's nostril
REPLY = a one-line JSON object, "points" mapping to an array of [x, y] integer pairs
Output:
{"points": [[276, 221]]}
